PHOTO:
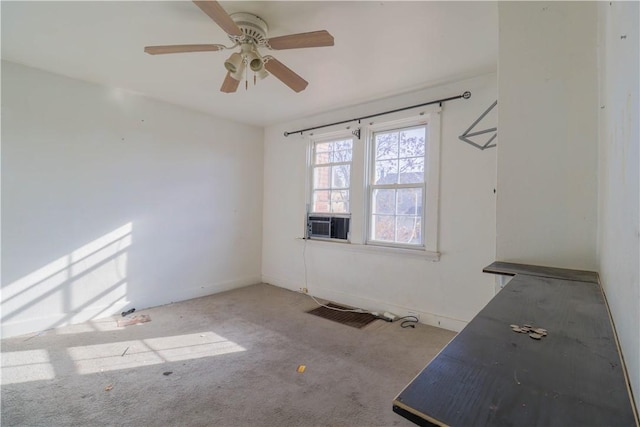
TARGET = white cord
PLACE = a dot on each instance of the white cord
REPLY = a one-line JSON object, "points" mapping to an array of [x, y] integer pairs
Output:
{"points": [[346, 310], [304, 259], [306, 286]]}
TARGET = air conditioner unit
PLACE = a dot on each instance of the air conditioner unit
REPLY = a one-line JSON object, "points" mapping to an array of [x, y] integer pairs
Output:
{"points": [[328, 226]]}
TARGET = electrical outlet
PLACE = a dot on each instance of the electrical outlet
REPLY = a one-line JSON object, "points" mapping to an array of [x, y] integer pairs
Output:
{"points": [[413, 313], [304, 290]]}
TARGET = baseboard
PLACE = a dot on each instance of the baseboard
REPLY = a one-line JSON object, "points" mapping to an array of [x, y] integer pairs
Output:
{"points": [[54, 320], [366, 303], [183, 294]]}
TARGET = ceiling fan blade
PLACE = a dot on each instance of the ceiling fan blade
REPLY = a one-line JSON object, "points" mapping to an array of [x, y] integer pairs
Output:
{"points": [[219, 15], [182, 48], [297, 41], [229, 85], [285, 74]]}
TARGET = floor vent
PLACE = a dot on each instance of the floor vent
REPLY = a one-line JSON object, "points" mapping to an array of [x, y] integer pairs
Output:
{"points": [[356, 320]]}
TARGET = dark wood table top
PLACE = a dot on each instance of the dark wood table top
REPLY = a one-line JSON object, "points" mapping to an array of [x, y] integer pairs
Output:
{"points": [[490, 375], [511, 269]]}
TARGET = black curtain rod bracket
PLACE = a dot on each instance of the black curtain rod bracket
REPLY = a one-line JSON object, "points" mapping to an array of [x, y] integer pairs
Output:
{"points": [[465, 95]]}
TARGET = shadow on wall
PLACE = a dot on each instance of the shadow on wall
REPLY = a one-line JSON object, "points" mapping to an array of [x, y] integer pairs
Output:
{"points": [[87, 283]]}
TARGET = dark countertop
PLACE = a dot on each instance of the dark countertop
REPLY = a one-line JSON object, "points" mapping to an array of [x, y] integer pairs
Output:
{"points": [[490, 375]]}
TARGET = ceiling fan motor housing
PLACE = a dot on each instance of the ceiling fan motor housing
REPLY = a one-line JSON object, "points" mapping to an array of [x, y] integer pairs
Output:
{"points": [[254, 28]]}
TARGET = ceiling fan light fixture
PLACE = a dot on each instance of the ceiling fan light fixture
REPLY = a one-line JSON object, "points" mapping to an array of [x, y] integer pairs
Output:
{"points": [[262, 73], [234, 63], [237, 75], [255, 62], [252, 58]]}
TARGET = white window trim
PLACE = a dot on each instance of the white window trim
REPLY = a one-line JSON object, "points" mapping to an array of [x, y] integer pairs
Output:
{"points": [[431, 117], [374, 249]]}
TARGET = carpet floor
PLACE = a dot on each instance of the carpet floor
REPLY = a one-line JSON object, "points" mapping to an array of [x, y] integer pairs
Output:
{"points": [[230, 359]]}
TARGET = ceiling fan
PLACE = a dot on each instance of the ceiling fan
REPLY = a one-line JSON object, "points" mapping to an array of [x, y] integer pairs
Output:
{"points": [[249, 33]]}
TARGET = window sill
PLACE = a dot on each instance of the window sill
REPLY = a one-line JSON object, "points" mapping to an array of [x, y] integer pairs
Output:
{"points": [[373, 249]]}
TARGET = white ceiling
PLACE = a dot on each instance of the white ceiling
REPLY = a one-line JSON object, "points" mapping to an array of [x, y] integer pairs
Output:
{"points": [[381, 49]]}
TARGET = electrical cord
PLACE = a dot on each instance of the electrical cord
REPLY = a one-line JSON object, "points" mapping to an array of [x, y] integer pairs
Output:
{"points": [[407, 323], [404, 324], [304, 259], [345, 310]]}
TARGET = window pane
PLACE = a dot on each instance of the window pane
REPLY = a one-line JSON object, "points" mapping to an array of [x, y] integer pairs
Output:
{"points": [[340, 176], [322, 201], [345, 144], [384, 201], [412, 142], [324, 147], [323, 151], [409, 230], [333, 152], [384, 228], [411, 170], [322, 177], [340, 201], [387, 145], [322, 158], [409, 201], [386, 172], [341, 156]]}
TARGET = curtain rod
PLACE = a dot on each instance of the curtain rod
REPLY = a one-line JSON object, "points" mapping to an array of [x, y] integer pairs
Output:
{"points": [[465, 95]]}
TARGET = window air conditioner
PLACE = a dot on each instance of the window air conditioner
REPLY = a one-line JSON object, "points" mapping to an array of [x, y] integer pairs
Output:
{"points": [[328, 226]]}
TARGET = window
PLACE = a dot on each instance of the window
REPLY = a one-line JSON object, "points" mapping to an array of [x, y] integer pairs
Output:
{"points": [[331, 164], [403, 182], [398, 186], [380, 191]]}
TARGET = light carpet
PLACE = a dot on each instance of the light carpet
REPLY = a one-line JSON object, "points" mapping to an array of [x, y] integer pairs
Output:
{"points": [[229, 359]]}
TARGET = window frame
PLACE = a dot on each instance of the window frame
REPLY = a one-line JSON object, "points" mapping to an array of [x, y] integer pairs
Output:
{"points": [[324, 138], [362, 166], [430, 186]]}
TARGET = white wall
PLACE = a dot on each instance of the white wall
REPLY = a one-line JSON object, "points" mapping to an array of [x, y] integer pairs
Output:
{"points": [[547, 158], [619, 176], [448, 292], [568, 180], [112, 200]]}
